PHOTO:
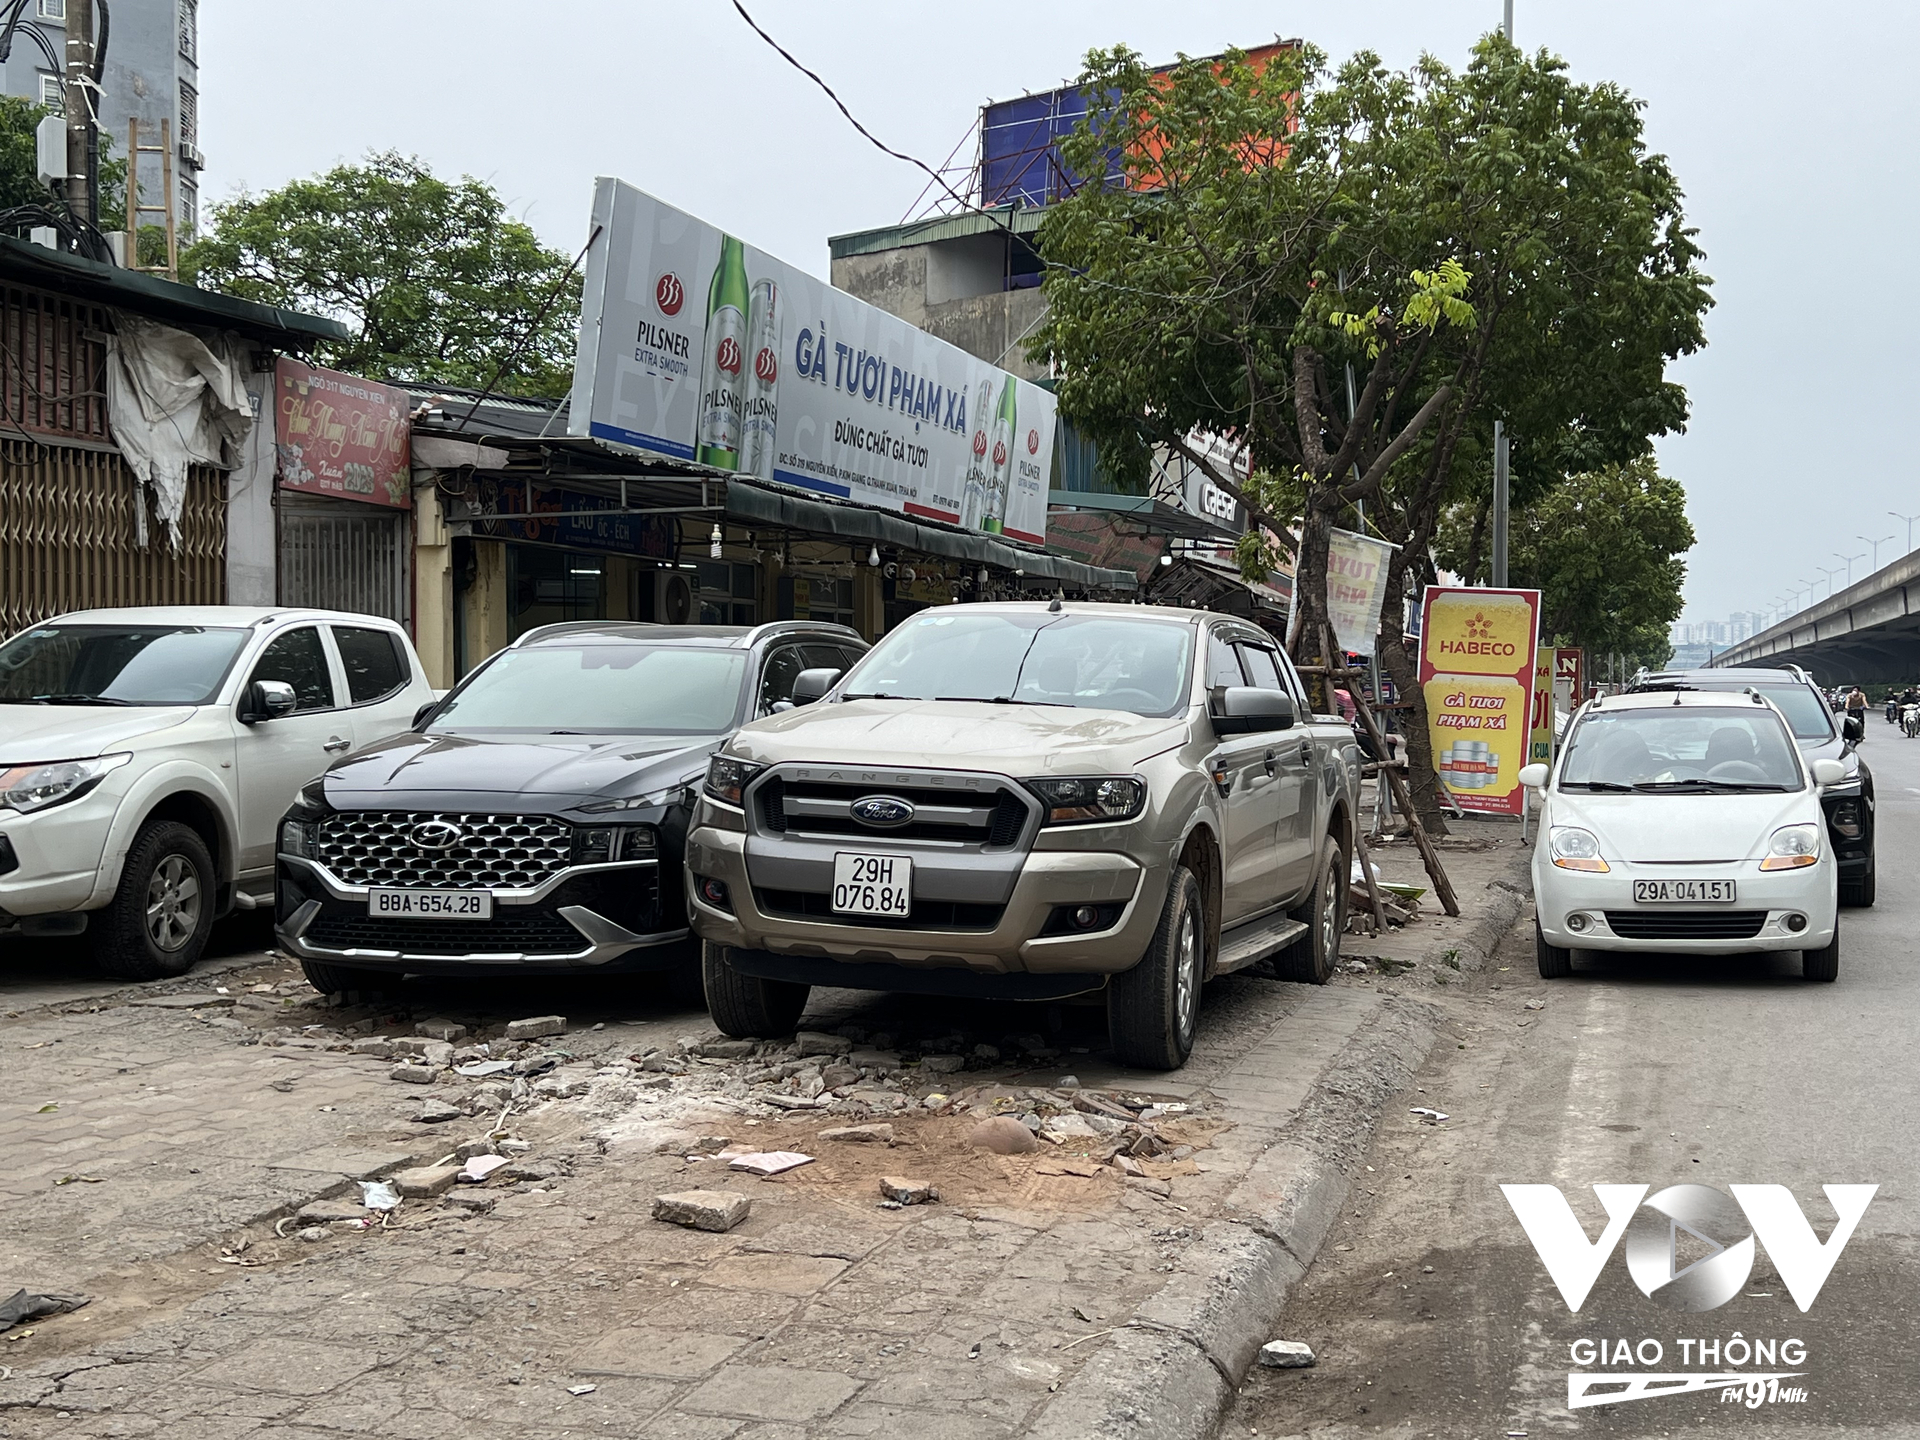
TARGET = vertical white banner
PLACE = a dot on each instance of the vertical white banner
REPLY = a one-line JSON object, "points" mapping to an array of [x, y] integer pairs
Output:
{"points": [[1356, 585]]}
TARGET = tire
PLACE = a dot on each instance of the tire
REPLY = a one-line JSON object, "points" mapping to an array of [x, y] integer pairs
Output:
{"points": [[1858, 894], [1823, 965], [334, 979], [1311, 959], [158, 921], [1153, 1009], [1555, 961], [744, 1006]]}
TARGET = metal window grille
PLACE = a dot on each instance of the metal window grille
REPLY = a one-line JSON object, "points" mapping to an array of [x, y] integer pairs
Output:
{"points": [[67, 536], [53, 365], [334, 561], [53, 93], [189, 29], [189, 114], [53, 9]]}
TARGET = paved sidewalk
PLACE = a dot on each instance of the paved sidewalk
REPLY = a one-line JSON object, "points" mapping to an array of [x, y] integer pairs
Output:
{"points": [[1042, 1294]]}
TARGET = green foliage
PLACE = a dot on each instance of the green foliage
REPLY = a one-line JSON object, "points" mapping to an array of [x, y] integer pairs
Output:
{"points": [[19, 159], [1605, 549], [437, 281]]}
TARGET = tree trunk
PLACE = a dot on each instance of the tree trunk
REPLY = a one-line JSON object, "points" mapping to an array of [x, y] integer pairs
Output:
{"points": [[1310, 589], [1404, 669]]}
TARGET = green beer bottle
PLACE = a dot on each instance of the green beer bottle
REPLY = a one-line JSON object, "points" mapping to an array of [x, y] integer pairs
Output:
{"points": [[1006, 422], [717, 433]]}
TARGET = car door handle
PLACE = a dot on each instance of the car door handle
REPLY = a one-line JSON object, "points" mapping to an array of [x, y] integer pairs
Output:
{"points": [[336, 743], [1273, 760], [1306, 753]]}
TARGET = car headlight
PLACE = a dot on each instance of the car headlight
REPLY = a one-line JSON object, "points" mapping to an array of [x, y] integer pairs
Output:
{"points": [[727, 778], [1090, 800], [297, 838], [1793, 847], [603, 844], [1575, 849], [27, 788]]}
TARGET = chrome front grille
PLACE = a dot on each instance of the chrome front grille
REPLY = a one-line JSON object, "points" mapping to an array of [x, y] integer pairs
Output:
{"points": [[511, 852], [983, 817]]}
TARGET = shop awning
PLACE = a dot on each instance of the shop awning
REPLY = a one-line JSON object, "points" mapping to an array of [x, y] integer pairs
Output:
{"points": [[749, 502]]}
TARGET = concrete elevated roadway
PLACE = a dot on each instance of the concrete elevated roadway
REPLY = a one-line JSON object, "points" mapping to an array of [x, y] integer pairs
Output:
{"points": [[1868, 632]]}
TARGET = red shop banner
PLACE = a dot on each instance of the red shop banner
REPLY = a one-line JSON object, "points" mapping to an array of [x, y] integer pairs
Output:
{"points": [[341, 436]]}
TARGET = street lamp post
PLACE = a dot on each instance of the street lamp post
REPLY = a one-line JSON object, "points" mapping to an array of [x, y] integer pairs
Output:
{"points": [[1829, 574], [1849, 559], [1909, 519], [1876, 547]]}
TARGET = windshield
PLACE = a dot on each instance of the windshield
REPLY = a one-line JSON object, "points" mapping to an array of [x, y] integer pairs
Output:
{"points": [[1680, 749], [117, 664], [600, 689], [1094, 662]]}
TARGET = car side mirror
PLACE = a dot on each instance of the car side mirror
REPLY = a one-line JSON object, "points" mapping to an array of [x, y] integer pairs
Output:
{"points": [[267, 700], [1854, 728], [1534, 776], [1243, 710], [810, 685], [1828, 772]]}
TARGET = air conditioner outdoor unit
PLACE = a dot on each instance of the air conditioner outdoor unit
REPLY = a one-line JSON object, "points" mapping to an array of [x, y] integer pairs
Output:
{"points": [[673, 597]]}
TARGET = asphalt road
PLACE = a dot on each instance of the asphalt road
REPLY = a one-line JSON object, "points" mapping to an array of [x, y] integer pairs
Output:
{"points": [[1431, 1313]]}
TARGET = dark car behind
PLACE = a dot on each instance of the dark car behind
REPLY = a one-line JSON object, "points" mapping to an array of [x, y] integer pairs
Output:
{"points": [[534, 819]]}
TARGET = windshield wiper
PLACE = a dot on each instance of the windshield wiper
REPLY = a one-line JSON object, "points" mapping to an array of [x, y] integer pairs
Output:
{"points": [[1002, 700], [65, 700], [1612, 785], [1702, 782], [877, 695]]}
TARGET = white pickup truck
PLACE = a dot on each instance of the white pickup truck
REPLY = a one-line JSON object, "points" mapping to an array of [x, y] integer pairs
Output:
{"points": [[147, 755]]}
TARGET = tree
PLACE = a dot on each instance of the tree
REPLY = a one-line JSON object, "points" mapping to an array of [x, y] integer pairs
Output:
{"points": [[1495, 241], [1604, 551], [438, 282]]}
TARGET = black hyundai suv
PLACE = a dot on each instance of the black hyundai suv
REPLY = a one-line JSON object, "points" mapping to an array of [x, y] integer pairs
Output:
{"points": [[1822, 735], [533, 819]]}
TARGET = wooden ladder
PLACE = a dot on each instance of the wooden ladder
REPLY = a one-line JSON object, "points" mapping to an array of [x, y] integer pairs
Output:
{"points": [[135, 209]]}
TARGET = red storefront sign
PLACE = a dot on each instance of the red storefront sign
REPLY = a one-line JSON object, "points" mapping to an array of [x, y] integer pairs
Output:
{"points": [[341, 436]]}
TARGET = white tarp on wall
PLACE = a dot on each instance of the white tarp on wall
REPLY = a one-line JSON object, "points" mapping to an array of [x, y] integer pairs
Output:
{"points": [[173, 400]]}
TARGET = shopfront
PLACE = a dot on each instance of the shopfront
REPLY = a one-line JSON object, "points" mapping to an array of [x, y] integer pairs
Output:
{"points": [[343, 493]]}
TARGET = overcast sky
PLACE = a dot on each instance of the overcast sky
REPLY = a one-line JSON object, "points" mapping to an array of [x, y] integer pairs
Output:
{"points": [[1794, 140]]}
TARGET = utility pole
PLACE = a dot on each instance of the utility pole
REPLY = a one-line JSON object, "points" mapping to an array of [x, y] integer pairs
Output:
{"points": [[1506, 26], [1500, 503], [82, 142]]}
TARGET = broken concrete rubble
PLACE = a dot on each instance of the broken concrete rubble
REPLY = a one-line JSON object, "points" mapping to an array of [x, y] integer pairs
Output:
{"points": [[903, 1191], [425, 1181], [717, 1210], [536, 1026], [1286, 1355], [860, 1134], [411, 1074]]}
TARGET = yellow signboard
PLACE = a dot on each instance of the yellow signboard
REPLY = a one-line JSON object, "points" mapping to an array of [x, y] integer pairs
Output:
{"points": [[1477, 674]]}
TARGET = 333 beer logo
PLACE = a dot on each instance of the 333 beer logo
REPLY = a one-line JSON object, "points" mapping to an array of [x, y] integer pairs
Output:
{"points": [[669, 294], [999, 452], [766, 366], [727, 356], [1033, 442]]}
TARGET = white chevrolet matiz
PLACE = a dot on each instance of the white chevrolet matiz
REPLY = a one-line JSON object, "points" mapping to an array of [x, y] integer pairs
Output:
{"points": [[1687, 823]]}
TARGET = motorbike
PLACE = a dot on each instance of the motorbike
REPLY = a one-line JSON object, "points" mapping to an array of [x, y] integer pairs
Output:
{"points": [[1910, 720], [1893, 711]]}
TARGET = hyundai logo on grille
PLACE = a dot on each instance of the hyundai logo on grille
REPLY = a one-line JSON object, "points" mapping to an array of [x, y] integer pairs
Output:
{"points": [[885, 812], [436, 835]]}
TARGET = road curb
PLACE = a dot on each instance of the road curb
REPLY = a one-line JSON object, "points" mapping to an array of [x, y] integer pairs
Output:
{"points": [[1171, 1371]]}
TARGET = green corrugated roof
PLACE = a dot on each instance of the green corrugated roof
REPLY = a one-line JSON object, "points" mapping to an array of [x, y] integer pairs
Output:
{"points": [[164, 299], [1024, 221]]}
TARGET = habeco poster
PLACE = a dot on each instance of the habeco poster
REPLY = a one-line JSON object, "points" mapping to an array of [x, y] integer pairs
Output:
{"points": [[1477, 673]]}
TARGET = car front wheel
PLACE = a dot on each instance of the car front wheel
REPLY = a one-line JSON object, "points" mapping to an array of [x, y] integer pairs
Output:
{"points": [[1311, 958], [1555, 961], [745, 1006], [1154, 1008], [1859, 893], [158, 921], [1824, 963]]}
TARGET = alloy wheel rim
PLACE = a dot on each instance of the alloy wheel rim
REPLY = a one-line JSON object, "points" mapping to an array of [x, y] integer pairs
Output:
{"points": [[173, 903], [1330, 914], [1186, 981]]}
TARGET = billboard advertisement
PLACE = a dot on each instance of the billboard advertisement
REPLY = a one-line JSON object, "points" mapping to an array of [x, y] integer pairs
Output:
{"points": [[1477, 674], [696, 346], [1541, 749], [342, 436]]}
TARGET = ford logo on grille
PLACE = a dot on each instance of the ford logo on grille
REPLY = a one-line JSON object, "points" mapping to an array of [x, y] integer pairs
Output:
{"points": [[884, 812], [436, 835]]}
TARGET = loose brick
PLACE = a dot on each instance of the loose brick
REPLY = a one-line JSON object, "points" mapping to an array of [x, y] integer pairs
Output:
{"points": [[411, 1074], [903, 1191], [860, 1134], [425, 1181], [718, 1210], [536, 1026]]}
